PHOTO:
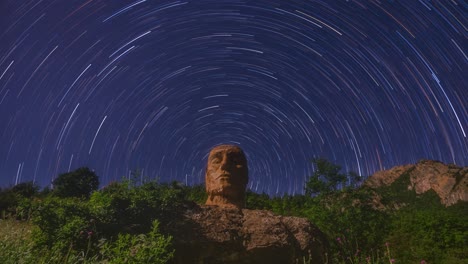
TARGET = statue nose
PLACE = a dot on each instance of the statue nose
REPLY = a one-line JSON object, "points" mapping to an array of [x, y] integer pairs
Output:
{"points": [[224, 164]]}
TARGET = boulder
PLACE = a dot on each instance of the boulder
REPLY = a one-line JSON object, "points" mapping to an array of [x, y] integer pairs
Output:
{"points": [[213, 234]]}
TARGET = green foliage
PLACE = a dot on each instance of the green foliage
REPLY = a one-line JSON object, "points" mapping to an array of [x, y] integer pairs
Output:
{"points": [[417, 227], [23, 208], [8, 202], [26, 189], [326, 178], [292, 205], [79, 183], [143, 248], [195, 193], [348, 216], [355, 179], [121, 206], [434, 234], [121, 212], [397, 193], [15, 243], [257, 201], [120, 223], [16, 246], [63, 224], [16, 201]]}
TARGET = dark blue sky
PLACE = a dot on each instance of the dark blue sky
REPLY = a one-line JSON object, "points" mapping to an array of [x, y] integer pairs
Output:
{"points": [[154, 85]]}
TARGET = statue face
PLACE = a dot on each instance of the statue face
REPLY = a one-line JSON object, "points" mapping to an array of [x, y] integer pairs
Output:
{"points": [[227, 172]]}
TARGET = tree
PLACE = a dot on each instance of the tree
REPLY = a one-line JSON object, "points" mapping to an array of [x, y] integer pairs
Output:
{"points": [[354, 179], [8, 201], [326, 178], [257, 201], [26, 189], [79, 183]]}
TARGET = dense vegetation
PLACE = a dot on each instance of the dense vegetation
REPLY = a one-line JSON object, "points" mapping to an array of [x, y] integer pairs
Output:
{"points": [[124, 221]]}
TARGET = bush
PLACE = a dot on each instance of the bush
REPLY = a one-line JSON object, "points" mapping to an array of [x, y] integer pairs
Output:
{"points": [[26, 189], [434, 234], [79, 183], [63, 224], [16, 201], [115, 220], [143, 248], [195, 193], [8, 203], [257, 201], [123, 207], [16, 246]]}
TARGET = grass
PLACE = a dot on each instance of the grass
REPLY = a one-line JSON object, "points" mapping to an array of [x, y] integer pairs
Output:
{"points": [[14, 231], [17, 247], [15, 242]]}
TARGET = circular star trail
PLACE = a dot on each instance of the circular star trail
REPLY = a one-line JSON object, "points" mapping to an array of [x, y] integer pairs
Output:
{"points": [[154, 85]]}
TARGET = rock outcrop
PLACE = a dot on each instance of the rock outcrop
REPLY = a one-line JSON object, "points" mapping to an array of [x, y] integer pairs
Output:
{"points": [[212, 234], [450, 182]]}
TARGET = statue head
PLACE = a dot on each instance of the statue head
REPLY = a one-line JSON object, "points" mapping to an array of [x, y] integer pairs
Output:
{"points": [[226, 176]]}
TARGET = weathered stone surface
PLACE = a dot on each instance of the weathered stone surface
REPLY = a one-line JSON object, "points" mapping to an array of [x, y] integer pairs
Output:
{"points": [[386, 177], [222, 232], [448, 181], [212, 234], [226, 176]]}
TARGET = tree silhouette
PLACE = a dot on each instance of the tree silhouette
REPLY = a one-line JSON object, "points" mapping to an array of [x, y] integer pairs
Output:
{"points": [[78, 183], [326, 178], [26, 189]]}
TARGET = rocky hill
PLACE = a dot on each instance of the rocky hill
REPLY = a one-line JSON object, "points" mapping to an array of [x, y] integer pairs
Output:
{"points": [[449, 182]]}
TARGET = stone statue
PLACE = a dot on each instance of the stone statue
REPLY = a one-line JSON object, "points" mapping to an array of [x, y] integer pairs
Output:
{"points": [[223, 231], [226, 177]]}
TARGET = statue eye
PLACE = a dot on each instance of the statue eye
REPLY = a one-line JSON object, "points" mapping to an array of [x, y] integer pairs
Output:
{"points": [[215, 160], [236, 161]]}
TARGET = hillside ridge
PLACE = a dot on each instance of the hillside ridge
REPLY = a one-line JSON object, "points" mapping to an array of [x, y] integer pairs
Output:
{"points": [[448, 181]]}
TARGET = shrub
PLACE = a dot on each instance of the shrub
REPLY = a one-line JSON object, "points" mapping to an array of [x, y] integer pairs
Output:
{"points": [[79, 183], [120, 220], [195, 193], [121, 206], [8, 203], [26, 189], [438, 235], [16, 201], [63, 224], [143, 248]]}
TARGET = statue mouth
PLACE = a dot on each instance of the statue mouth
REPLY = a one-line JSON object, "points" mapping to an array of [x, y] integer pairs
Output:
{"points": [[224, 176]]}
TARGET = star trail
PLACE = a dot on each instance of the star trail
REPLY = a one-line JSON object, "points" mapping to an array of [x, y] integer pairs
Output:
{"points": [[154, 85]]}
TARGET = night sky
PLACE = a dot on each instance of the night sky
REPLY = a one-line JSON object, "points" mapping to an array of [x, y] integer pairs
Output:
{"points": [[154, 85]]}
